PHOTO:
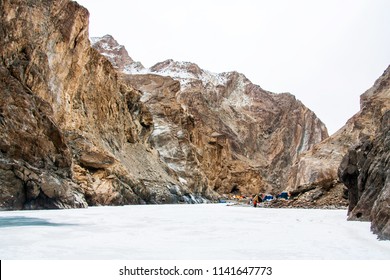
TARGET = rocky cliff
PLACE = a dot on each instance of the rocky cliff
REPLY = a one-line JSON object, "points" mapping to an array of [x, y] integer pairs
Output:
{"points": [[77, 129], [219, 131], [314, 177], [71, 133], [365, 169]]}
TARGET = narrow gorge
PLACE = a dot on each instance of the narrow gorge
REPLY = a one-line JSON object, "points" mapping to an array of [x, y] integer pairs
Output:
{"points": [[83, 124]]}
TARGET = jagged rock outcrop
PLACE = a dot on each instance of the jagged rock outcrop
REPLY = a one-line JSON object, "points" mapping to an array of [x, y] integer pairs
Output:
{"points": [[71, 133], [365, 170], [220, 131], [313, 177], [116, 54]]}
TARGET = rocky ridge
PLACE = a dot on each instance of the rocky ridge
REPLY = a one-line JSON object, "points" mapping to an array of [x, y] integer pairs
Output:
{"points": [[220, 131]]}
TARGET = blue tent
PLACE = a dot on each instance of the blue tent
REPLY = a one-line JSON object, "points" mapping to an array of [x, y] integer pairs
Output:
{"points": [[283, 195]]}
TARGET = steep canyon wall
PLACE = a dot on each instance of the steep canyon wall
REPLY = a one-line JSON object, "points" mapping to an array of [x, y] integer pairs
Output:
{"points": [[71, 133]]}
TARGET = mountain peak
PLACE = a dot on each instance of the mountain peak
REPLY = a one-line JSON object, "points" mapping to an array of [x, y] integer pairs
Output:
{"points": [[183, 71], [116, 54]]}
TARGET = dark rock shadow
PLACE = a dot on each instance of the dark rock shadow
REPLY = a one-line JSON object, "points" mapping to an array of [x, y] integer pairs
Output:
{"points": [[21, 221]]}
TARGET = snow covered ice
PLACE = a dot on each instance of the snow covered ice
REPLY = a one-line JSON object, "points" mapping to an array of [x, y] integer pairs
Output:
{"points": [[203, 232]]}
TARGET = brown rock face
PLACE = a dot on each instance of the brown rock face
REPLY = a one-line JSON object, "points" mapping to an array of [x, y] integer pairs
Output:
{"points": [[221, 133], [247, 137], [76, 132], [315, 172], [71, 133]]}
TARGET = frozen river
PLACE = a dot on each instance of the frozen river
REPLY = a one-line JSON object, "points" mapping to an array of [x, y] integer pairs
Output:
{"points": [[187, 232]]}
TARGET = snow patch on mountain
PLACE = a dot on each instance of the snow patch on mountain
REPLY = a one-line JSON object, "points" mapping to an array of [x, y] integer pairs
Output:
{"points": [[135, 68], [187, 72], [117, 55], [237, 97]]}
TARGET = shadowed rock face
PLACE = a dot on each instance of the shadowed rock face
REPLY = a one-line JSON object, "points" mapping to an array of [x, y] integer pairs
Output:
{"points": [[315, 171], [365, 171], [70, 132], [220, 132]]}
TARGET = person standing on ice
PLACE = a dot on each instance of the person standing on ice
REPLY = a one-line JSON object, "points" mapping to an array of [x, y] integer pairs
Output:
{"points": [[255, 200]]}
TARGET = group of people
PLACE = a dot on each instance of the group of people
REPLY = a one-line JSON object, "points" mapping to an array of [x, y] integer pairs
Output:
{"points": [[256, 199], [259, 198]]}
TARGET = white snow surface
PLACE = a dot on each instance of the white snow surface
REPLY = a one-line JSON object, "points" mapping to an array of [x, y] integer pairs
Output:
{"points": [[204, 232]]}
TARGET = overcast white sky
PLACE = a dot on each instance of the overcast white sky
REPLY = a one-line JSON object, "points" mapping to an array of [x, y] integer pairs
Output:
{"points": [[326, 53]]}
